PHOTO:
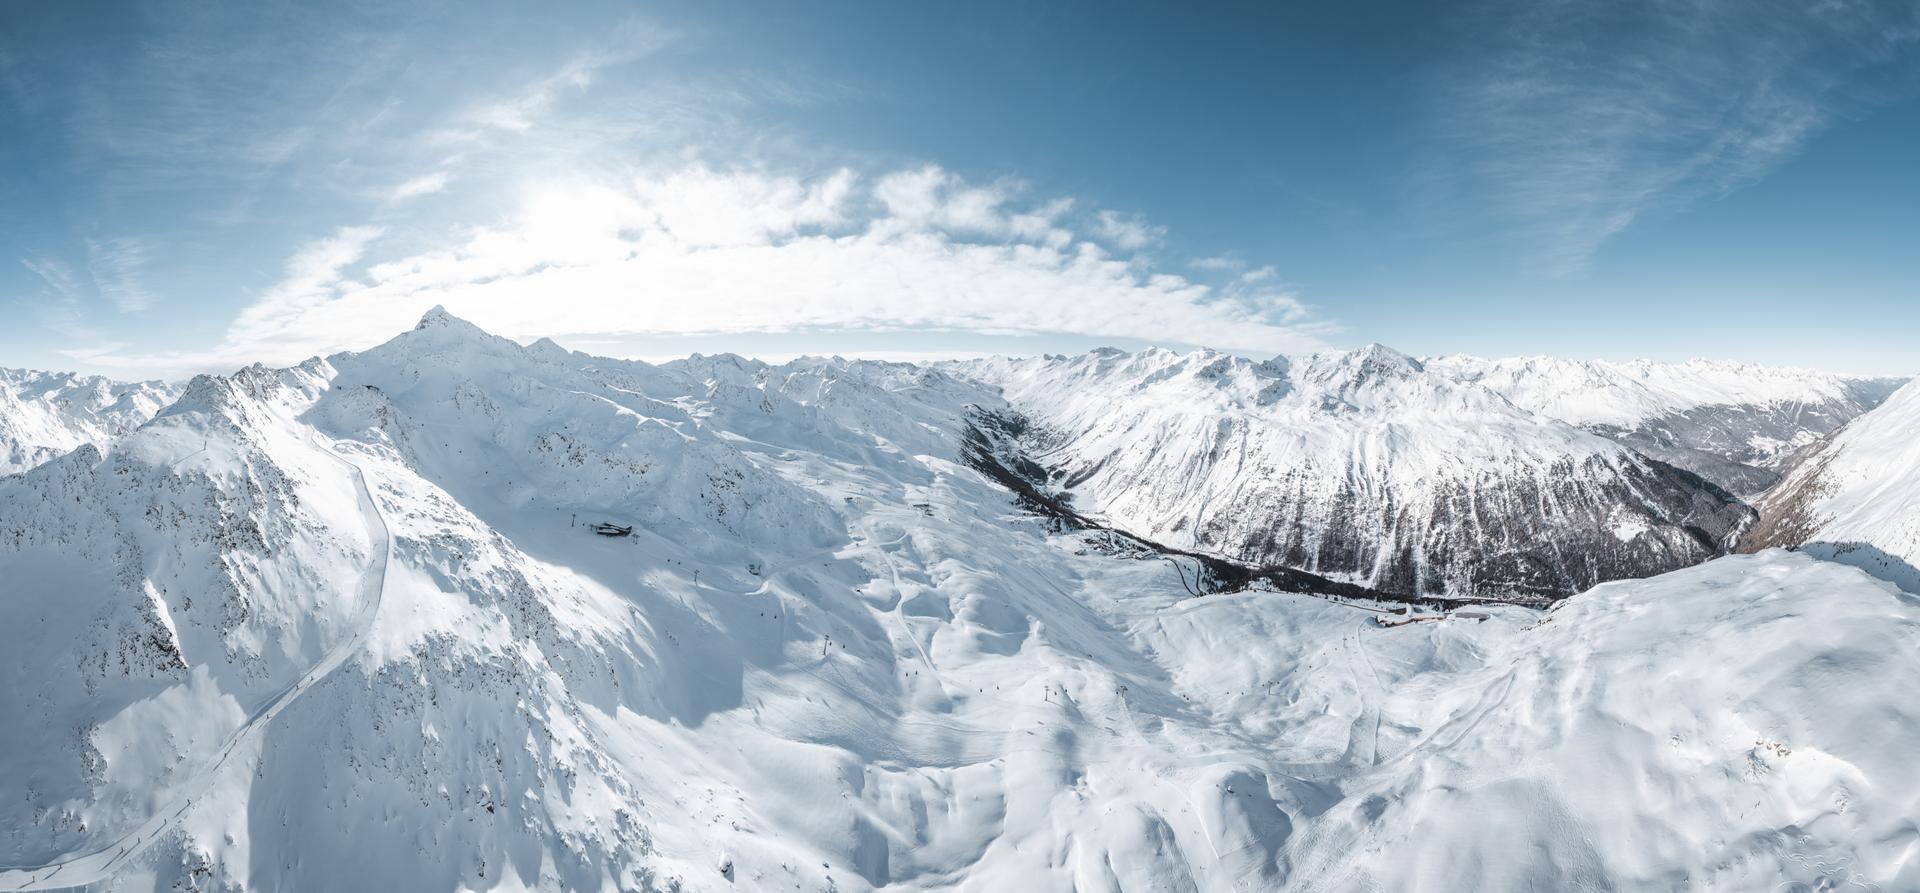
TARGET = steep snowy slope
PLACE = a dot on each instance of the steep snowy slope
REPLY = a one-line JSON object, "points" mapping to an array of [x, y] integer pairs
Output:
{"points": [[335, 628], [1856, 497], [1361, 466], [45, 414], [1736, 424]]}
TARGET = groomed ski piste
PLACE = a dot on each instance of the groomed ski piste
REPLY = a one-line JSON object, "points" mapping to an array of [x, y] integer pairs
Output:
{"points": [[831, 656], [92, 868]]}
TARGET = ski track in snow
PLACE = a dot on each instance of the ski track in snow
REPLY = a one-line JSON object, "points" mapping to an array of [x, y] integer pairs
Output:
{"points": [[97, 866]]}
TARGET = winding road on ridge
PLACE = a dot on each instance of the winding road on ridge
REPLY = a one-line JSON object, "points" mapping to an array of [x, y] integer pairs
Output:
{"points": [[98, 865]]}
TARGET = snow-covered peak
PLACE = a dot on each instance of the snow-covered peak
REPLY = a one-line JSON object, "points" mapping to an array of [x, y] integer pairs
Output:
{"points": [[1380, 359], [440, 317], [1363, 465], [546, 349], [1372, 379], [725, 368], [1626, 394], [44, 414], [351, 625], [1856, 498], [1736, 424]]}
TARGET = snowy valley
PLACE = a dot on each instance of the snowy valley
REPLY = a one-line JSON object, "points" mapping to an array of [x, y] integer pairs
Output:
{"points": [[1117, 621]]}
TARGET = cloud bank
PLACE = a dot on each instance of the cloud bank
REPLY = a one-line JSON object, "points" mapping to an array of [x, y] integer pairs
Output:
{"points": [[699, 251]]}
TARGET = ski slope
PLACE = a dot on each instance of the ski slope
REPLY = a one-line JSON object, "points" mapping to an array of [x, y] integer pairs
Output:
{"points": [[95, 867]]}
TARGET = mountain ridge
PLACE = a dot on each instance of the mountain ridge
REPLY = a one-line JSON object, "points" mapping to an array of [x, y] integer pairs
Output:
{"points": [[1363, 466], [831, 655]]}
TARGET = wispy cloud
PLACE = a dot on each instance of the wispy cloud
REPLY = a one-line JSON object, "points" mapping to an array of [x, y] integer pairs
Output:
{"points": [[696, 251], [1219, 264], [115, 266], [311, 280], [425, 184], [1582, 117], [519, 112], [61, 306], [56, 274]]}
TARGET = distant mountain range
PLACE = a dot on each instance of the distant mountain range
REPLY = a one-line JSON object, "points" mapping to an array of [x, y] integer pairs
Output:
{"points": [[1736, 424], [44, 414], [1115, 621]]}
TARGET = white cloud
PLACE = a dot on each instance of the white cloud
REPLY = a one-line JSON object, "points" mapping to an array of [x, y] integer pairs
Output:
{"points": [[1220, 264], [696, 252], [425, 184], [933, 198], [1128, 232], [311, 281], [703, 209]]}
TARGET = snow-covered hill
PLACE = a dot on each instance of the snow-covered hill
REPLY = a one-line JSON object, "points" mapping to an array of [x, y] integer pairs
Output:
{"points": [[1361, 466], [45, 414], [1856, 497], [1736, 424], [343, 627]]}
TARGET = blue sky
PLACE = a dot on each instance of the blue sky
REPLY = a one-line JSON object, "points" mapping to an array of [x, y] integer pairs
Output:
{"points": [[188, 187]]}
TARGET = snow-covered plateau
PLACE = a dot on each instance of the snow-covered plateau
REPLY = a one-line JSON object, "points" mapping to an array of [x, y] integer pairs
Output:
{"points": [[350, 626]]}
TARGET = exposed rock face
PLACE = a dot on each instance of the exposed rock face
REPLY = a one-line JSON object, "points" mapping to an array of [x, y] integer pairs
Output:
{"points": [[1361, 466], [1855, 497], [44, 414], [1735, 424]]}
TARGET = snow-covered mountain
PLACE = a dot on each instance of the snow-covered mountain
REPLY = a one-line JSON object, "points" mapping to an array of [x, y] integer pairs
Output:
{"points": [[345, 626], [1362, 466], [45, 414], [1856, 497], [1736, 424]]}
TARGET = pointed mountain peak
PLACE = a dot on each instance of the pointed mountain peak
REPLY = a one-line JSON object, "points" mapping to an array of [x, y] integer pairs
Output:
{"points": [[1382, 356], [442, 327], [439, 317], [548, 349]]}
